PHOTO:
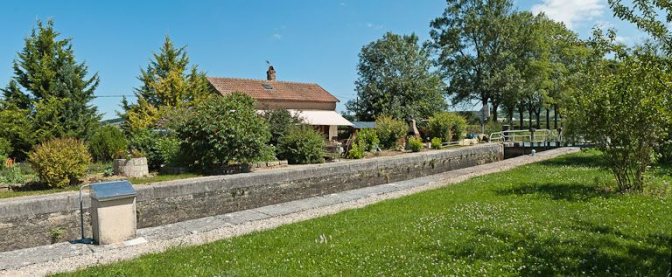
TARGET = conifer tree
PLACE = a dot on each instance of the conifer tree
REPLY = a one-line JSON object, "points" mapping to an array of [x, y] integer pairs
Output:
{"points": [[46, 74], [167, 83]]}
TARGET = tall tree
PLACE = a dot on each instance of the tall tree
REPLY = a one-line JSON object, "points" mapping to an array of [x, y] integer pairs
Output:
{"points": [[13, 123], [654, 17], [46, 71], [646, 14], [167, 83], [568, 55], [627, 93], [469, 39], [395, 79]]}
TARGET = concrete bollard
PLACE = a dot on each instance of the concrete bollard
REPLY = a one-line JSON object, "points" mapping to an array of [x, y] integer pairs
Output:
{"points": [[113, 213]]}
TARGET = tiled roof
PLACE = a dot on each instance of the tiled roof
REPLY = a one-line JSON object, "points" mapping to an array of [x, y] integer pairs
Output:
{"points": [[280, 90]]}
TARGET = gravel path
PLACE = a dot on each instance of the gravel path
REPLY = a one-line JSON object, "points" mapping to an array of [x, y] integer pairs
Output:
{"points": [[62, 257]]}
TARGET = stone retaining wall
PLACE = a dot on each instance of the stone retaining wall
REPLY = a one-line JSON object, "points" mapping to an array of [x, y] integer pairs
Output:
{"points": [[31, 221], [132, 168]]}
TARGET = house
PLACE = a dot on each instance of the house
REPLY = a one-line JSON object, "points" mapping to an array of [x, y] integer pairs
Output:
{"points": [[312, 102]]}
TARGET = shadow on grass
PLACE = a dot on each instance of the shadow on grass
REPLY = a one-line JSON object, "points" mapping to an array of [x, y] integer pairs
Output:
{"points": [[593, 250], [558, 191], [31, 186], [590, 159]]}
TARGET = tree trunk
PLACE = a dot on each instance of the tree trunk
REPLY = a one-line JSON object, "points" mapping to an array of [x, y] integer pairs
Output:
{"points": [[509, 116], [529, 117], [537, 114], [521, 109], [555, 115], [494, 112], [548, 119], [485, 103]]}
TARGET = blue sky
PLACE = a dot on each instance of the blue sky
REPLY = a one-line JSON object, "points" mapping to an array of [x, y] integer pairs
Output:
{"points": [[306, 41]]}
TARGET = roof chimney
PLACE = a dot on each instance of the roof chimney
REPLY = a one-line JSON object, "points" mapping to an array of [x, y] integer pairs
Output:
{"points": [[270, 74]]}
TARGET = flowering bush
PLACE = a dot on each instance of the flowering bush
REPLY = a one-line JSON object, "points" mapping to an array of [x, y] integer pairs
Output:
{"points": [[60, 162]]}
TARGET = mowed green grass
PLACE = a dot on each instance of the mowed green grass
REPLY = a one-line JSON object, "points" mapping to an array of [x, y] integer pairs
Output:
{"points": [[557, 217]]}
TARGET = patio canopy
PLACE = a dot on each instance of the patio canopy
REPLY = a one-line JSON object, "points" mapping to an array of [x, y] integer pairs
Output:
{"points": [[317, 117], [330, 118]]}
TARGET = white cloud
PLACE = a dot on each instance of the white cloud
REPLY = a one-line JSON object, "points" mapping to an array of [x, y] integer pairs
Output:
{"points": [[621, 39], [342, 4], [374, 26], [571, 12], [605, 24], [277, 36]]}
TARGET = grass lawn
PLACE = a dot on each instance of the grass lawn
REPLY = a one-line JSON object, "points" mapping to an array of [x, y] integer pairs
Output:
{"points": [[558, 217]]}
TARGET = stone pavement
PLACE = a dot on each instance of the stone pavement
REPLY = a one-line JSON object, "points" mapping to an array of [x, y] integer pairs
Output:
{"points": [[61, 257]]}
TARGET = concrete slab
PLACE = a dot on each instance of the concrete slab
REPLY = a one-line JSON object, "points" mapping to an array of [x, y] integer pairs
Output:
{"points": [[245, 216], [203, 224], [41, 254], [162, 232], [280, 209]]}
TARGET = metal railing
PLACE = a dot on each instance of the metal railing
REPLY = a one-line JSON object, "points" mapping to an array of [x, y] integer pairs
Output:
{"points": [[536, 136]]}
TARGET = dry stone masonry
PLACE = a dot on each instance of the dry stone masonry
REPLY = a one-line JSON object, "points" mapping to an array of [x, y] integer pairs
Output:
{"points": [[131, 168], [30, 221]]}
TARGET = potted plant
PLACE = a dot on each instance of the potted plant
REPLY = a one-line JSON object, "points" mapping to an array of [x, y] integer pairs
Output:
{"points": [[132, 164]]}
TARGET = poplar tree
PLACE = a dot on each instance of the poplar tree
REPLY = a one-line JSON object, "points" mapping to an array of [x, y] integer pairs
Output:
{"points": [[469, 39]]}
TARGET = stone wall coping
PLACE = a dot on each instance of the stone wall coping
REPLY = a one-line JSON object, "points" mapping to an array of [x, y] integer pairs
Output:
{"points": [[69, 201]]}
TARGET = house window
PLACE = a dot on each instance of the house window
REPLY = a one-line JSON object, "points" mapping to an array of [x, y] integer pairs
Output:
{"points": [[267, 86]]}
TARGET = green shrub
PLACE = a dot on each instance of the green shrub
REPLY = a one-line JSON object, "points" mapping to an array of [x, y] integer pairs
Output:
{"points": [[12, 175], [60, 162], [280, 122], [168, 150], [160, 148], [367, 139], [301, 145], [415, 144], [436, 143], [223, 130], [447, 126], [106, 143], [145, 142], [389, 131], [356, 152]]}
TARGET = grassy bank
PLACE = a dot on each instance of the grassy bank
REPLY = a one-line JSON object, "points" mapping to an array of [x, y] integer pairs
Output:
{"points": [[559, 217]]}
